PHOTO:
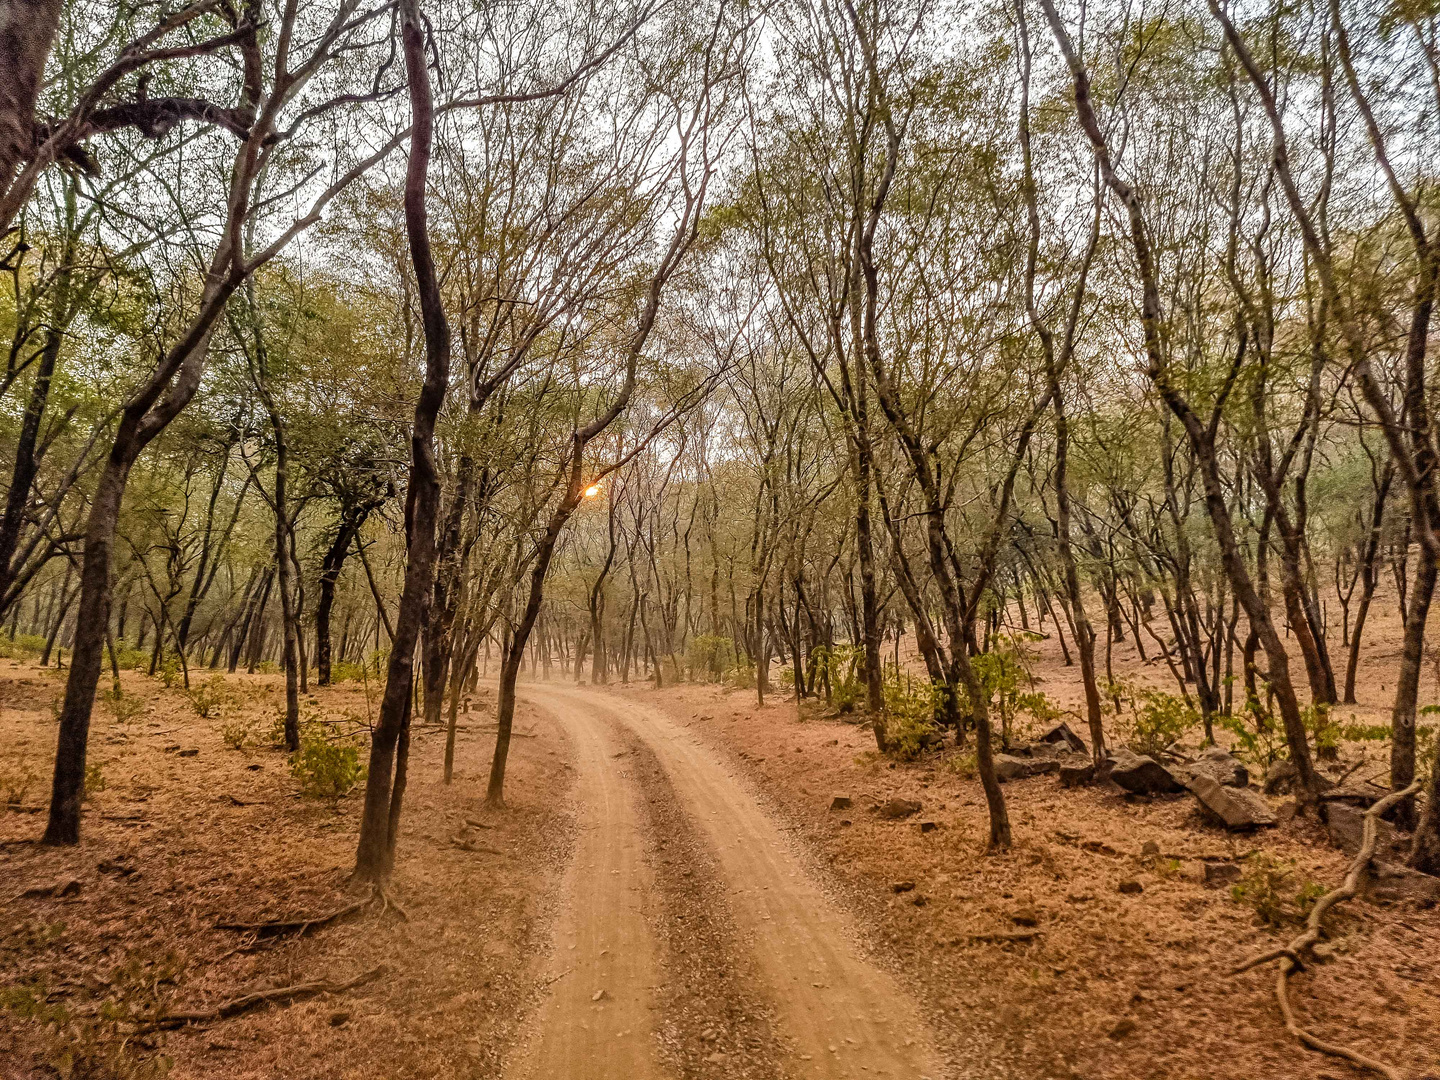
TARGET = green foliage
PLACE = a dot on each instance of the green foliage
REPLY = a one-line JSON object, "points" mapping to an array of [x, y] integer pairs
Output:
{"points": [[910, 728], [1365, 732], [210, 697], [169, 671], [240, 732], [94, 778], [93, 1040], [23, 647], [1324, 732], [324, 768], [841, 665], [341, 671], [709, 657], [1156, 719], [124, 707], [1278, 892], [1259, 740], [267, 667]]}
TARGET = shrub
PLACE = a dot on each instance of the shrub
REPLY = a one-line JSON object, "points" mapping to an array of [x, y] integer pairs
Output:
{"points": [[169, 671], [1156, 721], [239, 732], [1259, 741], [210, 697], [326, 769], [1324, 732], [910, 727], [841, 667], [342, 671], [268, 667], [94, 1037], [94, 778], [1279, 894], [710, 656], [22, 647]]}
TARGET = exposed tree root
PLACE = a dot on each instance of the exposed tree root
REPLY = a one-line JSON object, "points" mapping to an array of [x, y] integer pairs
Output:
{"points": [[1301, 950], [276, 927], [236, 1005]]}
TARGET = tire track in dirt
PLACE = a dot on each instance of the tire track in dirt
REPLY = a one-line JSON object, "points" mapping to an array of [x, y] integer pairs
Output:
{"points": [[597, 1021], [845, 1017], [714, 1023]]}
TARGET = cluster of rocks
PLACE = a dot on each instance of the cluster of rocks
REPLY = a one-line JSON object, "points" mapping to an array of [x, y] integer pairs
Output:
{"points": [[1219, 782]]}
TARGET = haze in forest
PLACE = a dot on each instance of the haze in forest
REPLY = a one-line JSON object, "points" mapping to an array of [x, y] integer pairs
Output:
{"points": [[722, 540]]}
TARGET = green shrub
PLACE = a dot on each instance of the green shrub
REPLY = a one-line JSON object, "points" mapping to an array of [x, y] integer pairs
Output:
{"points": [[841, 666], [23, 647], [341, 671], [1323, 731], [240, 732], [268, 667], [94, 778], [1278, 892], [1155, 721], [910, 727], [326, 769], [169, 671], [125, 707], [710, 656], [210, 697], [1258, 738], [93, 1037]]}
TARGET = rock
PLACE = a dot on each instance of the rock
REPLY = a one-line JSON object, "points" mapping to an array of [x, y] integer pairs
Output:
{"points": [[896, 809], [1346, 824], [1392, 882], [63, 887], [1286, 811], [599, 995], [1123, 1028], [1362, 795], [1150, 848], [1221, 873], [1061, 735], [920, 899], [1009, 767], [928, 826], [1280, 777], [902, 886], [339, 1018], [1042, 750], [840, 802], [1142, 775], [1076, 773], [1235, 808], [1131, 887], [189, 753], [1222, 767], [1025, 917]]}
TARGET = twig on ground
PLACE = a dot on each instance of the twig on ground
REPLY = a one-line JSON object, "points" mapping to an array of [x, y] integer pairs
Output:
{"points": [[1002, 936], [236, 1005], [1293, 956]]}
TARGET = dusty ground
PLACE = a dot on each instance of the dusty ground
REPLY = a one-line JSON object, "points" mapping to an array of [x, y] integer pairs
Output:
{"points": [[668, 894], [167, 853]]}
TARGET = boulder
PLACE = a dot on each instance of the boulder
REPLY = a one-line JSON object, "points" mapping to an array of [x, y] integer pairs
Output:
{"points": [[1280, 777], [1061, 735], [1131, 887], [1235, 808], [1221, 767], [1346, 824], [840, 802], [1009, 767], [1076, 772], [1361, 795], [1142, 775], [1392, 882], [896, 809]]}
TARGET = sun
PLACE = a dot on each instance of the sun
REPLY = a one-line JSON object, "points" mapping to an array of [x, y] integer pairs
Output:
{"points": [[592, 491]]}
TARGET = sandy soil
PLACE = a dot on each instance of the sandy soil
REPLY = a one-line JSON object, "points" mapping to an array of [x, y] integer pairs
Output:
{"points": [[667, 895]]}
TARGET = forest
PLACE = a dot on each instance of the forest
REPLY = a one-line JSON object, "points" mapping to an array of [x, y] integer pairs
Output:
{"points": [[535, 531]]}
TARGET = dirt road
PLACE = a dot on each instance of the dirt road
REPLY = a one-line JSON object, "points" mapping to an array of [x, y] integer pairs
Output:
{"points": [[839, 1015]]}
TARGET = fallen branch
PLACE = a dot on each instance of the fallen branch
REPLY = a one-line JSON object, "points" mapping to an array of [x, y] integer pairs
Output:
{"points": [[275, 927], [1301, 950], [1003, 936], [236, 1005]]}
